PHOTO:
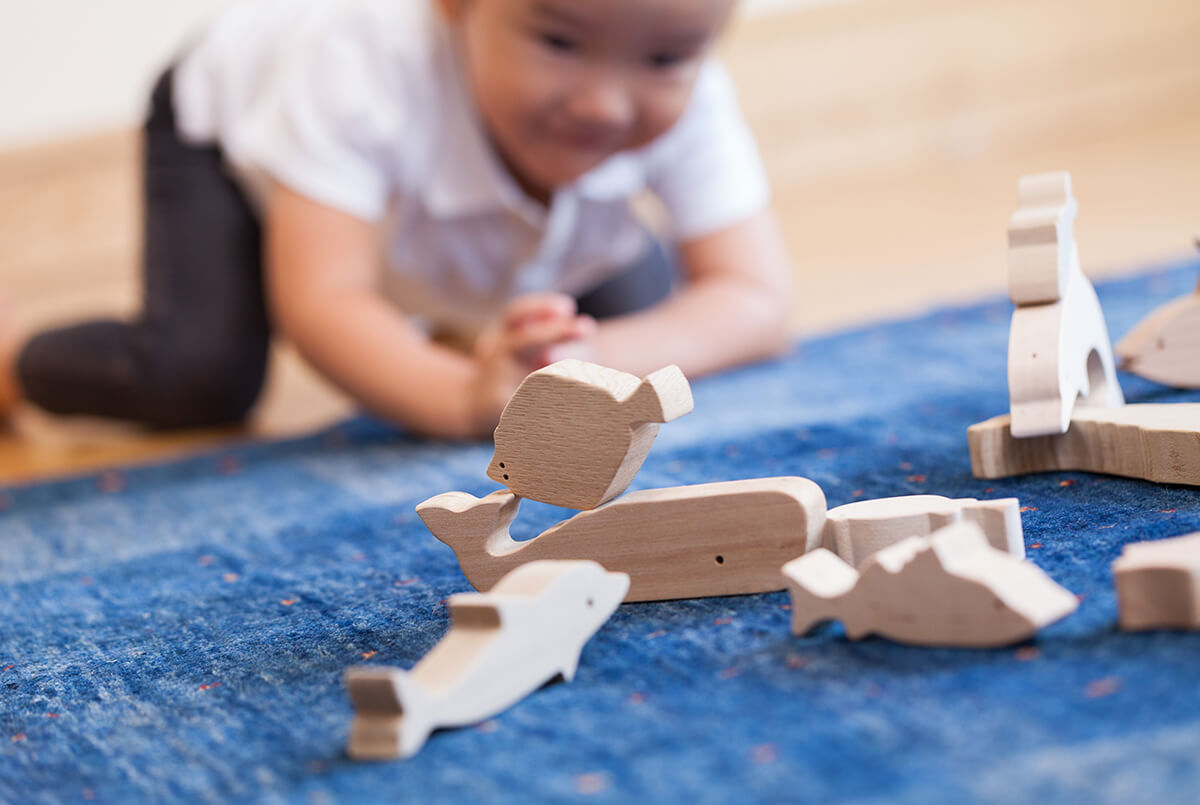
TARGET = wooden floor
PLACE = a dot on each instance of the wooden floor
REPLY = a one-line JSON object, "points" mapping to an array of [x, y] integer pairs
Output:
{"points": [[894, 135]]}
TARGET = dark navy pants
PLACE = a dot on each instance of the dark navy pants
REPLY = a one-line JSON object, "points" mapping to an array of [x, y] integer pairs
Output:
{"points": [[197, 353]]}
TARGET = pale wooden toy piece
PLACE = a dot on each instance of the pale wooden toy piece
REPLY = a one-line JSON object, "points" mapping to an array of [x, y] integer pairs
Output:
{"points": [[1158, 584], [502, 646], [948, 589], [1154, 442], [857, 530], [1059, 352], [575, 434], [725, 538], [1165, 346]]}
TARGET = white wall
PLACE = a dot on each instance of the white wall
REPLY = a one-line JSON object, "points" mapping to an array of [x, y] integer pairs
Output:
{"points": [[74, 67]]}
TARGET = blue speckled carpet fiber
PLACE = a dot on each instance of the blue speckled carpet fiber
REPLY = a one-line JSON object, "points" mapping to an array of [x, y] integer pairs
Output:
{"points": [[179, 632]]}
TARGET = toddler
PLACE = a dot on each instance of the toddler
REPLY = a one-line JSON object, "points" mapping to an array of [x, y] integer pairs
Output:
{"points": [[367, 176]]}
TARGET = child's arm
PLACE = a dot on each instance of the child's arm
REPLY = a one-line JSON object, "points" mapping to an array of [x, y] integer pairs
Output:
{"points": [[732, 308], [322, 279]]}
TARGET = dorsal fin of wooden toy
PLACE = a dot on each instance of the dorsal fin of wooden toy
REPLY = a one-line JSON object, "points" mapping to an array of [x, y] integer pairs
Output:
{"points": [[950, 588], [1059, 352], [725, 538], [1154, 442], [1158, 584], [661, 397], [575, 434], [501, 647], [1165, 345], [857, 530]]}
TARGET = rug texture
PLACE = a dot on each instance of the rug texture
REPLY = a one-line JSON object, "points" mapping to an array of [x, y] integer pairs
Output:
{"points": [[179, 632]]}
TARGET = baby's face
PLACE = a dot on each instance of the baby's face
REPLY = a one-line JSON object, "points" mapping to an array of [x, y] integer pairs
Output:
{"points": [[562, 84]]}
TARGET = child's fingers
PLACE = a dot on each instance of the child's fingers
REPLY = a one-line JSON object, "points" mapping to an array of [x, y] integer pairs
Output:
{"points": [[538, 307]]}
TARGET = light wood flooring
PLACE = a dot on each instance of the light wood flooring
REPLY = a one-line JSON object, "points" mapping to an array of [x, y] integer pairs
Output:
{"points": [[894, 134]]}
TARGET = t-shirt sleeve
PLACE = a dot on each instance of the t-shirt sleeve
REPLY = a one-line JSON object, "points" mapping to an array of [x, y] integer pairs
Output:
{"points": [[707, 170], [320, 127]]}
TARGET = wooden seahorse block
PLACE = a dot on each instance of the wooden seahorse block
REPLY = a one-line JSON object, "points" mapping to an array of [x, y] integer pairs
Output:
{"points": [[502, 646], [575, 434], [857, 530], [951, 588], [725, 538], [1158, 584], [1154, 442]]}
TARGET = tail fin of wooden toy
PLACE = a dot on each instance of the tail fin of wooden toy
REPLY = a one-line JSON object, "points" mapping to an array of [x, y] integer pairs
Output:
{"points": [[391, 714], [663, 396], [817, 581], [471, 525]]}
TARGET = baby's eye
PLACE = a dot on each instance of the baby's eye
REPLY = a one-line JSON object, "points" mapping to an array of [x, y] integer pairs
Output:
{"points": [[665, 59], [557, 43]]}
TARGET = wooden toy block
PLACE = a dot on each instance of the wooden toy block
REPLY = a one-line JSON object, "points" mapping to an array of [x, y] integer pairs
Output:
{"points": [[948, 589], [575, 434], [1158, 584], [857, 530], [1059, 353], [502, 646], [1154, 442], [725, 538], [1165, 346]]}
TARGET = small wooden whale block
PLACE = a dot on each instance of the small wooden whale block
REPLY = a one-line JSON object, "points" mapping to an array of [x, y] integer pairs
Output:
{"points": [[1165, 346], [726, 538], [1158, 584], [503, 646], [1154, 442], [948, 589], [575, 434], [1059, 352], [857, 530]]}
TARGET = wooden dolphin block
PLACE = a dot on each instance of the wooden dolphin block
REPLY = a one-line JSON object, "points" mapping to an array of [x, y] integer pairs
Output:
{"points": [[1059, 352], [948, 589], [726, 538], [1165, 346], [502, 646], [575, 434], [1154, 442], [1158, 584], [857, 530]]}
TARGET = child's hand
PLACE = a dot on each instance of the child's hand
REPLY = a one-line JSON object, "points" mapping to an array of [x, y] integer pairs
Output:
{"points": [[535, 331]]}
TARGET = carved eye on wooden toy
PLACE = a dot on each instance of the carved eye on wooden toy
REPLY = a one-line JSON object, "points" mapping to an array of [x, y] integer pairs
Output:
{"points": [[575, 434]]}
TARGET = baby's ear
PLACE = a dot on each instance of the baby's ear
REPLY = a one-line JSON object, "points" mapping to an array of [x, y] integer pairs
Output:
{"points": [[452, 10]]}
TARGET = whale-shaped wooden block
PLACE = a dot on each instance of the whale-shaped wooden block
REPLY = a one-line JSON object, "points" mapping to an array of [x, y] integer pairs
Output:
{"points": [[857, 530], [1154, 442], [1165, 346], [726, 538], [1059, 353], [502, 646], [948, 589], [574, 434], [1158, 584]]}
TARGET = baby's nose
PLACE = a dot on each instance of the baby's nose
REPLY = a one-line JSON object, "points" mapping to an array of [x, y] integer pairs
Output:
{"points": [[603, 103]]}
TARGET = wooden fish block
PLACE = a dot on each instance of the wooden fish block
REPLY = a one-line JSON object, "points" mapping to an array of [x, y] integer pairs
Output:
{"points": [[575, 434], [1165, 346], [1154, 442], [948, 589], [1059, 352], [502, 646], [1158, 584], [725, 538], [857, 530]]}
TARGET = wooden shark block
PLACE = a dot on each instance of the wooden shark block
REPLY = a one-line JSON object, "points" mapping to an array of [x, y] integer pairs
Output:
{"points": [[1059, 352], [502, 646], [726, 538], [575, 434], [857, 530], [1154, 442], [1158, 584], [948, 589], [1165, 346]]}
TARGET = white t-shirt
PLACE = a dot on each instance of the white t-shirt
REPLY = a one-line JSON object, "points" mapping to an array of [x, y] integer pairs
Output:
{"points": [[362, 106]]}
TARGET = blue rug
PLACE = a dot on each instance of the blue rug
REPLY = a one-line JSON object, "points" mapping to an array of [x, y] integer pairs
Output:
{"points": [[179, 632]]}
